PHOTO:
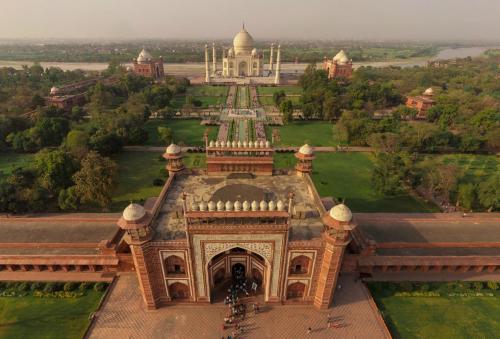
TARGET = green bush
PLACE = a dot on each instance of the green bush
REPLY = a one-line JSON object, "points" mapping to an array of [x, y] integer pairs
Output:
{"points": [[3, 285], [406, 286], [158, 182], [478, 286], [424, 287], [492, 285], [70, 286], [85, 286], [100, 286], [11, 285], [23, 286], [37, 286], [49, 287]]}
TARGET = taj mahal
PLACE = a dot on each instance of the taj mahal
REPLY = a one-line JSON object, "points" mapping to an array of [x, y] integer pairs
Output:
{"points": [[242, 63]]}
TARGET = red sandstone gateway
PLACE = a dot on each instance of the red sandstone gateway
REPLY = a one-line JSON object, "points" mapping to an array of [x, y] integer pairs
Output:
{"points": [[187, 244]]}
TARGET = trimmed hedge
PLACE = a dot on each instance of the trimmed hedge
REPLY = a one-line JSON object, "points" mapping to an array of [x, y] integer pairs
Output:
{"points": [[435, 289], [51, 289]]}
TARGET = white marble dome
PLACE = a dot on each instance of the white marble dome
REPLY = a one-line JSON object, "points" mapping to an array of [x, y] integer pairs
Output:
{"points": [[133, 212], [429, 91], [243, 42], [306, 150], [341, 57], [173, 149], [341, 212], [144, 56]]}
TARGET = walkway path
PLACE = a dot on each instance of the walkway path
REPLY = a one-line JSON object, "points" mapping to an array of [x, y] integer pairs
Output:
{"points": [[124, 316]]}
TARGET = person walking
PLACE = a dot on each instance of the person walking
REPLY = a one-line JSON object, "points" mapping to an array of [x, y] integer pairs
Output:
{"points": [[309, 330]]}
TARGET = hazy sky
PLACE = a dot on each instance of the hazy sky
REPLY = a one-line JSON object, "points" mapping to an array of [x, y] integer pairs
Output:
{"points": [[265, 19]]}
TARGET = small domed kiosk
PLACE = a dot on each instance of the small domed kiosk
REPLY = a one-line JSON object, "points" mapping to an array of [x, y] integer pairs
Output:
{"points": [[305, 157], [135, 221], [173, 154]]}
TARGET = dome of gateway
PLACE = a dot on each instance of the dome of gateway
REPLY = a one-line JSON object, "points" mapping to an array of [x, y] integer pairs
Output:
{"points": [[133, 212], [341, 212], [306, 150], [243, 42], [173, 149]]}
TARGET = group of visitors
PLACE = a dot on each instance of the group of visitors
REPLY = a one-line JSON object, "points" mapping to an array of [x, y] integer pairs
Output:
{"points": [[237, 309]]}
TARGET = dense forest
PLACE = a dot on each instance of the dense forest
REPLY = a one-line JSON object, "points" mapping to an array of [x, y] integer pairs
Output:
{"points": [[71, 166], [466, 115]]}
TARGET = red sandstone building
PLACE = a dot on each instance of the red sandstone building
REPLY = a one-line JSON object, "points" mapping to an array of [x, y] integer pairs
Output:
{"points": [[421, 103], [340, 66], [237, 214], [148, 67]]}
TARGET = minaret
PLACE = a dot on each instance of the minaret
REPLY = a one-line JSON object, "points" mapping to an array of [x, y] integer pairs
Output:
{"points": [[278, 66], [271, 58], [207, 70], [214, 60]]}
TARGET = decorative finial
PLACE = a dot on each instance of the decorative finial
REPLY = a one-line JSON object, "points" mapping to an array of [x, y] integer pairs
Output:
{"points": [[243, 24]]}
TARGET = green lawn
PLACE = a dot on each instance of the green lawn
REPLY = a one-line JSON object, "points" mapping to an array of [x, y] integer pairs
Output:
{"points": [[34, 317], [10, 161], [265, 90], [348, 176], [195, 160], [136, 172], [186, 132], [440, 317], [316, 133], [208, 91]]}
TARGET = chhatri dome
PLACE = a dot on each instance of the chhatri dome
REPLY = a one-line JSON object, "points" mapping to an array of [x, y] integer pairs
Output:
{"points": [[341, 212], [173, 149], [133, 212], [144, 56], [341, 57], [306, 149], [243, 42], [429, 91]]}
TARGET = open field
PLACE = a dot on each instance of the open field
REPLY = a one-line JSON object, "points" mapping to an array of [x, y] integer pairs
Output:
{"points": [[315, 133], [186, 132], [208, 91], [34, 317], [268, 101], [266, 90], [10, 161], [348, 176], [440, 317], [136, 172]]}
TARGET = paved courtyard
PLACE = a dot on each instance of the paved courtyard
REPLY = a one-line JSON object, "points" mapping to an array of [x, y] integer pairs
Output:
{"points": [[124, 316]]}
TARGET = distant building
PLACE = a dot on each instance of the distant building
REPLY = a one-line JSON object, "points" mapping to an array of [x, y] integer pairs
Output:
{"points": [[421, 103], [66, 101], [338, 67], [148, 67]]}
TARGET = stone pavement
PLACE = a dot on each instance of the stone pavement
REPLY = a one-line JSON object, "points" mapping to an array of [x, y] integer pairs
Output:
{"points": [[123, 315]]}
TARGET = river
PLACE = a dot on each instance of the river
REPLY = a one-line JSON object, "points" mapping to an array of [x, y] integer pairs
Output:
{"points": [[194, 69]]}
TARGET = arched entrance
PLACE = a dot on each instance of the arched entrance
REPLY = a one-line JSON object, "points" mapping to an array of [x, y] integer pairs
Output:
{"points": [[238, 266], [238, 271], [242, 69]]}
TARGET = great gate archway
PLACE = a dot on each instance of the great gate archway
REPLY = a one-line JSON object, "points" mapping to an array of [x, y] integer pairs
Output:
{"points": [[224, 267]]}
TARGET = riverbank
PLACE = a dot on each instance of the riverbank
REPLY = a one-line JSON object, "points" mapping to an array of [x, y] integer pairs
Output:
{"points": [[192, 69]]}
